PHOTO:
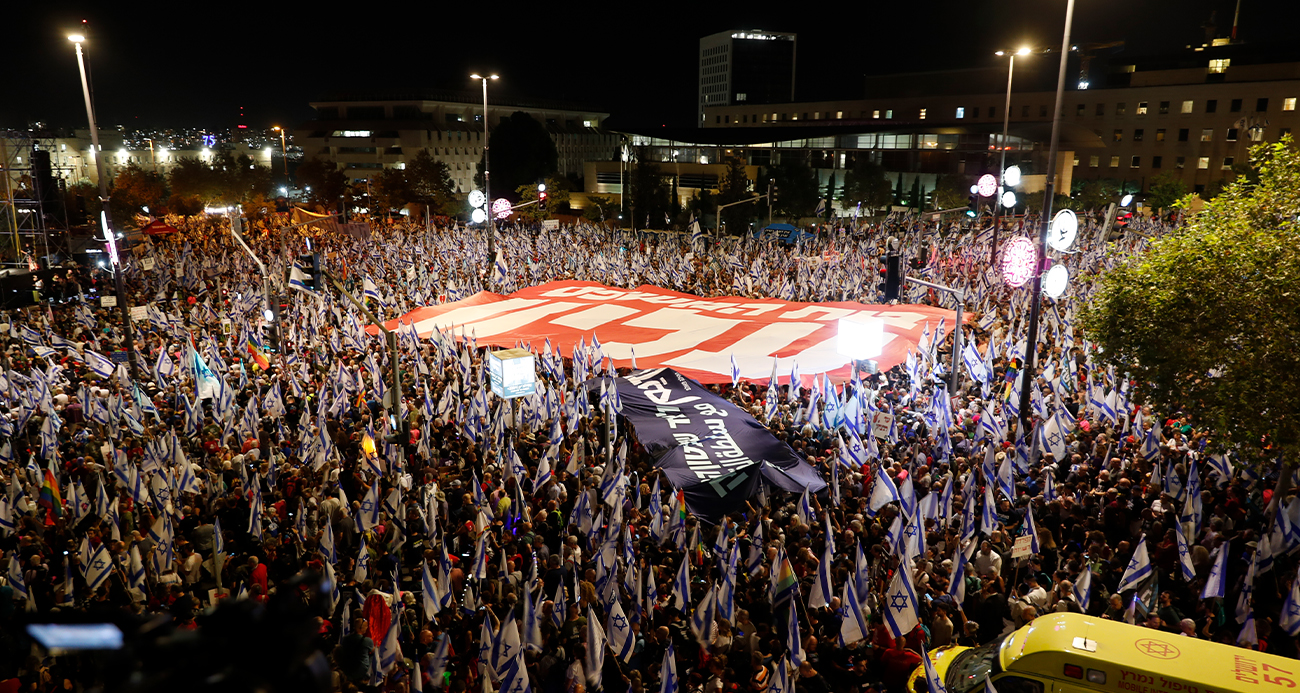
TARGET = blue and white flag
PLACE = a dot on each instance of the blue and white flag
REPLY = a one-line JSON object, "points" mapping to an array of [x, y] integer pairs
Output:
{"points": [[682, 586], [1217, 580], [1289, 620], [1184, 555], [899, 603], [932, 679], [619, 630], [1083, 588], [853, 621], [668, 682], [882, 491], [1139, 568]]}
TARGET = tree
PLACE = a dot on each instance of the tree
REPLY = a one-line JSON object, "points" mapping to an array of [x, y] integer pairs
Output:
{"points": [[797, 190], [734, 188], [866, 184], [1207, 322], [557, 197], [1033, 202], [324, 182], [951, 191], [704, 207], [389, 189], [1166, 189], [600, 209], [193, 179], [648, 192], [430, 184], [522, 152], [134, 189], [1094, 194]]}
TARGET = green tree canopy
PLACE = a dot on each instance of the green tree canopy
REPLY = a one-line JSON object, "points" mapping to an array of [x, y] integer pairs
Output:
{"points": [[867, 185], [326, 181], [429, 183], [1208, 320], [797, 190], [648, 193], [1166, 189], [951, 191], [735, 187], [134, 189], [521, 152], [557, 198]]}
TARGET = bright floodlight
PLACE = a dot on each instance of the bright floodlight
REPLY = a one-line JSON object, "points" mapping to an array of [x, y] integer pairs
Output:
{"points": [[1126, 201], [1008, 199], [861, 338], [1011, 176], [541, 187], [1064, 227], [478, 216], [999, 53], [76, 38], [1023, 51], [1056, 280], [268, 315], [477, 198], [974, 189]]}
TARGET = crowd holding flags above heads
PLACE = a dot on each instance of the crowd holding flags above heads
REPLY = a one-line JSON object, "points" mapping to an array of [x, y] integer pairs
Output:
{"points": [[468, 542]]}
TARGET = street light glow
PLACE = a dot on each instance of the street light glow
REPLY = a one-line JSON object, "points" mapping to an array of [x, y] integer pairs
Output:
{"points": [[76, 38], [1023, 51]]}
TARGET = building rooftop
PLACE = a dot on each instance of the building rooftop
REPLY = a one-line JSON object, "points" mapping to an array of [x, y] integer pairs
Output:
{"points": [[452, 96]]}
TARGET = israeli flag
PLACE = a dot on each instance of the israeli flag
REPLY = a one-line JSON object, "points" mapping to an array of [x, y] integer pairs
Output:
{"points": [[682, 586], [1083, 587], [1184, 556], [1290, 617], [99, 364], [1216, 582], [882, 492], [932, 678], [899, 603], [298, 280], [1139, 568]]}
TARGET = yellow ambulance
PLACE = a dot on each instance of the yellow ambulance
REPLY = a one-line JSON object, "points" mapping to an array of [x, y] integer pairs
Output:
{"points": [[1074, 653]]}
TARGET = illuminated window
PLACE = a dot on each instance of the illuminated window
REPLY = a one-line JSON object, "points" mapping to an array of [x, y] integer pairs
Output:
{"points": [[839, 115], [922, 114], [1114, 161], [1220, 65], [1288, 104], [1160, 135], [1187, 106], [1118, 135], [1142, 108], [1094, 161], [1256, 134], [1203, 162], [961, 112], [876, 114], [889, 114], [1207, 135]]}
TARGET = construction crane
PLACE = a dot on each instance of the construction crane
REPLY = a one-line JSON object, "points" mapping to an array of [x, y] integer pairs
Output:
{"points": [[1086, 53]]}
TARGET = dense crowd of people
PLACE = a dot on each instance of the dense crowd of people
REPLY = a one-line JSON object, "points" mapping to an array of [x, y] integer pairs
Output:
{"points": [[267, 503]]}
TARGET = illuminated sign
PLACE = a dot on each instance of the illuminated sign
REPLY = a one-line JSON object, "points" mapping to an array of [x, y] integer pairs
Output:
{"points": [[511, 373], [1019, 259], [987, 185]]}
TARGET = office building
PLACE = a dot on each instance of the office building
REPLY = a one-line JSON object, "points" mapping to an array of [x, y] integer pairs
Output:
{"points": [[746, 66], [363, 133]]}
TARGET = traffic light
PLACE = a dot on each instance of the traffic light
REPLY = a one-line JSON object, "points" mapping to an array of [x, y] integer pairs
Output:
{"points": [[309, 265], [972, 206], [541, 193]]}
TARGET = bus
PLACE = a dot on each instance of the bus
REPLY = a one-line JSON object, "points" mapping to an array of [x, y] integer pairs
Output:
{"points": [[1074, 653]]}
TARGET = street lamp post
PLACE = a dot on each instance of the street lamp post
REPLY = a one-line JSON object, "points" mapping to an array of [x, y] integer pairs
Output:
{"points": [[284, 150], [487, 182], [1002, 166], [105, 214], [1048, 191]]}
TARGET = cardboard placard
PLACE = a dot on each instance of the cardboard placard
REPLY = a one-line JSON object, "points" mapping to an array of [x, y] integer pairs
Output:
{"points": [[108, 301], [1021, 547], [146, 263], [139, 312]]}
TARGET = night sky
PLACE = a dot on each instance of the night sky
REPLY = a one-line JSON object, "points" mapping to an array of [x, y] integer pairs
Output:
{"points": [[189, 64]]}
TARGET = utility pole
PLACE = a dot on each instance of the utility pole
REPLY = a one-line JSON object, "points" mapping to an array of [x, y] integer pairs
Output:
{"points": [[272, 313], [106, 215], [960, 296]]}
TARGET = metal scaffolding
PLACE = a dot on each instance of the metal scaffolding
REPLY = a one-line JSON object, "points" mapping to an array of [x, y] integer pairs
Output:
{"points": [[33, 220]]}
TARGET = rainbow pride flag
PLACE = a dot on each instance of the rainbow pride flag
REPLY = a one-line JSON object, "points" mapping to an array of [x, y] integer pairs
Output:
{"points": [[50, 496]]}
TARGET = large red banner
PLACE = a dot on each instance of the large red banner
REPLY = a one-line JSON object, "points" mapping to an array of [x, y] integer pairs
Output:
{"points": [[695, 336]]}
